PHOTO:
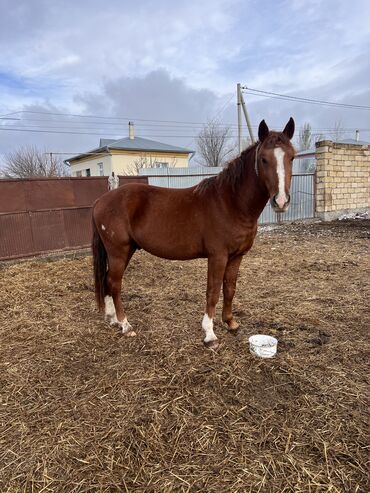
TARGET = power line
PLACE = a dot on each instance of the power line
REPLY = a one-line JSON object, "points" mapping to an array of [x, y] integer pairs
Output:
{"points": [[85, 133], [275, 95], [56, 125], [160, 123], [52, 131], [102, 117]]}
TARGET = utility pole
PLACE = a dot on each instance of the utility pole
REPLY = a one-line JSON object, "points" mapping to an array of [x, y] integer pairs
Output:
{"points": [[241, 105], [247, 118], [238, 103]]}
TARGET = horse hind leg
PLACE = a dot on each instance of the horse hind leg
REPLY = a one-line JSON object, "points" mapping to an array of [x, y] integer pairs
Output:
{"points": [[114, 310], [110, 310]]}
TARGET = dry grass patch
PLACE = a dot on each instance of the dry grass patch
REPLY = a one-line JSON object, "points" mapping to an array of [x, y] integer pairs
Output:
{"points": [[84, 409]]}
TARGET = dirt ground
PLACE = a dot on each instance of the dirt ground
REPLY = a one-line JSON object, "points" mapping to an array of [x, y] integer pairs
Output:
{"points": [[84, 409]]}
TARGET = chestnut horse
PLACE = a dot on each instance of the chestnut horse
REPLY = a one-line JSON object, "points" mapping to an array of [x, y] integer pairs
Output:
{"points": [[217, 219]]}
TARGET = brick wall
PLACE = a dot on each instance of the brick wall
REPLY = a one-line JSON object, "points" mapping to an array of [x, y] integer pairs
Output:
{"points": [[342, 179]]}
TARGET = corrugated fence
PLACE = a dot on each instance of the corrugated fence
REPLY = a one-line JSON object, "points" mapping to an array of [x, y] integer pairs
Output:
{"points": [[48, 214], [302, 188]]}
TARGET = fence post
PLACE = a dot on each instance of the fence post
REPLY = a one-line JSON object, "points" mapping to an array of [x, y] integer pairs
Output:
{"points": [[113, 182]]}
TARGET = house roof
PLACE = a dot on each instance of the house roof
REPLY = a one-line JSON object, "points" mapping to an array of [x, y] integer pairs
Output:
{"points": [[312, 151], [135, 144], [353, 141], [306, 152], [105, 142]]}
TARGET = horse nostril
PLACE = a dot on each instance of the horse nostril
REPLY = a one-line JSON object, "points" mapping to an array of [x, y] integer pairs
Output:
{"points": [[277, 206]]}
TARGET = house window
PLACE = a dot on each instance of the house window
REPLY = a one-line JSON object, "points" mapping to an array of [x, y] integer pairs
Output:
{"points": [[78, 173], [88, 172], [101, 169]]}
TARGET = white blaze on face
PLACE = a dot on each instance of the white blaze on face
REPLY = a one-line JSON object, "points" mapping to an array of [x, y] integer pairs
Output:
{"points": [[207, 326], [281, 198]]}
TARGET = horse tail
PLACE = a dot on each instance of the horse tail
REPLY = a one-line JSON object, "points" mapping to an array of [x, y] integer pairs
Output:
{"points": [[100, 267]]}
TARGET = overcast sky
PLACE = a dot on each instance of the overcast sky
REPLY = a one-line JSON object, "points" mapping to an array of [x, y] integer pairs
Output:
{"points": [[176, 61]]}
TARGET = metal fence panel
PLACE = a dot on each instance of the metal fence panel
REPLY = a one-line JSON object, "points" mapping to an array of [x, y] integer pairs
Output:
{"points": [[50, 230], [15, 235], [41, 215], [78, 230], [178, 177], [302, 188]]}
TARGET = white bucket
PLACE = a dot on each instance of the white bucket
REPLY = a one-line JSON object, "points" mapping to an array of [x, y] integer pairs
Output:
{"points": [[263, 346]]}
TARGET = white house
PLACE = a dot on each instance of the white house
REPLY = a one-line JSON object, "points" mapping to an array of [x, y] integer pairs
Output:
{"points": [[127, 155]]}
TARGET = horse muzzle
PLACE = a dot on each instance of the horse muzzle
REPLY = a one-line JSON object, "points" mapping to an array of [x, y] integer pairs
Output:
{"points": [[280, 205]]}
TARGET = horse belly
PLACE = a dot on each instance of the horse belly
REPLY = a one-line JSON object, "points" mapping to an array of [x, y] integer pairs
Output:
{"points": [[172, 247], [170, 239], [166, 223]]}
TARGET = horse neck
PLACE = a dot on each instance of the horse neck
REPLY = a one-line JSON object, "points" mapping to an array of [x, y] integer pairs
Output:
{"points": [[251, 193]]}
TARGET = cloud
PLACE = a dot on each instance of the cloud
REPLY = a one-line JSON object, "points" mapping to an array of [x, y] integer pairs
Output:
{"points": [[86, 45], [157, 94], [157, 97], [179, 61]]}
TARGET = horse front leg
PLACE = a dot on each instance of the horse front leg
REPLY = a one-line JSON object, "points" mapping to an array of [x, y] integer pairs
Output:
{"points": [[216, 270], [229, 285]]}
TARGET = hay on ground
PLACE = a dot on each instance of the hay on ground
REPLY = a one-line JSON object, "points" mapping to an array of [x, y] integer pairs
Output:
{"points": [[84, 409]]}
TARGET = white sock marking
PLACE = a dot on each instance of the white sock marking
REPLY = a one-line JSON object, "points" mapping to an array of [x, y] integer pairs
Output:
{"points": [[110, 310], [281, 198], [110, 314], [207, 326], [126, 327]]}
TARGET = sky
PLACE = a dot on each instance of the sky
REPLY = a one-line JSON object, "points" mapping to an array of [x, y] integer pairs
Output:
{"points": [[71, 72]]}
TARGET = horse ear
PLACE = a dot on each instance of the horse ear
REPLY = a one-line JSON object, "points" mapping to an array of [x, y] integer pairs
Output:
{"points": [[263, 131], [289, 128]]}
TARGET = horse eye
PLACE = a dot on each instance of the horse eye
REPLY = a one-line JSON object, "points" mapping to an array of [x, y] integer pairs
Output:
{"points": [[264, 161]]}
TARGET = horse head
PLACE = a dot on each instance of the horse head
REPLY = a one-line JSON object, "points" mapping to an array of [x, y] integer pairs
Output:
{"points": [[274, 162]]}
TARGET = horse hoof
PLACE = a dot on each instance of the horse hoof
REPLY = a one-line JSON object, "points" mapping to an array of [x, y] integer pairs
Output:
{"points": [[233, 326], [131, 333], [212, 344]]}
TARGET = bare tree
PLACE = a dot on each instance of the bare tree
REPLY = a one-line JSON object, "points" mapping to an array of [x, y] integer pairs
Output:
{"points": [[318, 137], [29, 162], [145, 161], [305, 137], [338, 132], [213, 144]]}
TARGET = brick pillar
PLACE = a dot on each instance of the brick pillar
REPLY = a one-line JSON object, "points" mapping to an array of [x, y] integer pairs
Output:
{"points": [[342, 179]]}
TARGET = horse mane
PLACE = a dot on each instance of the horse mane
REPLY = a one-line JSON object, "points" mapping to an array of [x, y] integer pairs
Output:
{"points": [[233, 173]]}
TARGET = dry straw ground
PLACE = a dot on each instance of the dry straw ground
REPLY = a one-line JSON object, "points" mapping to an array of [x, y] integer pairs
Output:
{"points": [[84, 409]]}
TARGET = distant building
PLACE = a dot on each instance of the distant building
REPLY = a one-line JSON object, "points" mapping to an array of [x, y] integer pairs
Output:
{"points": [[126, 155]]}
